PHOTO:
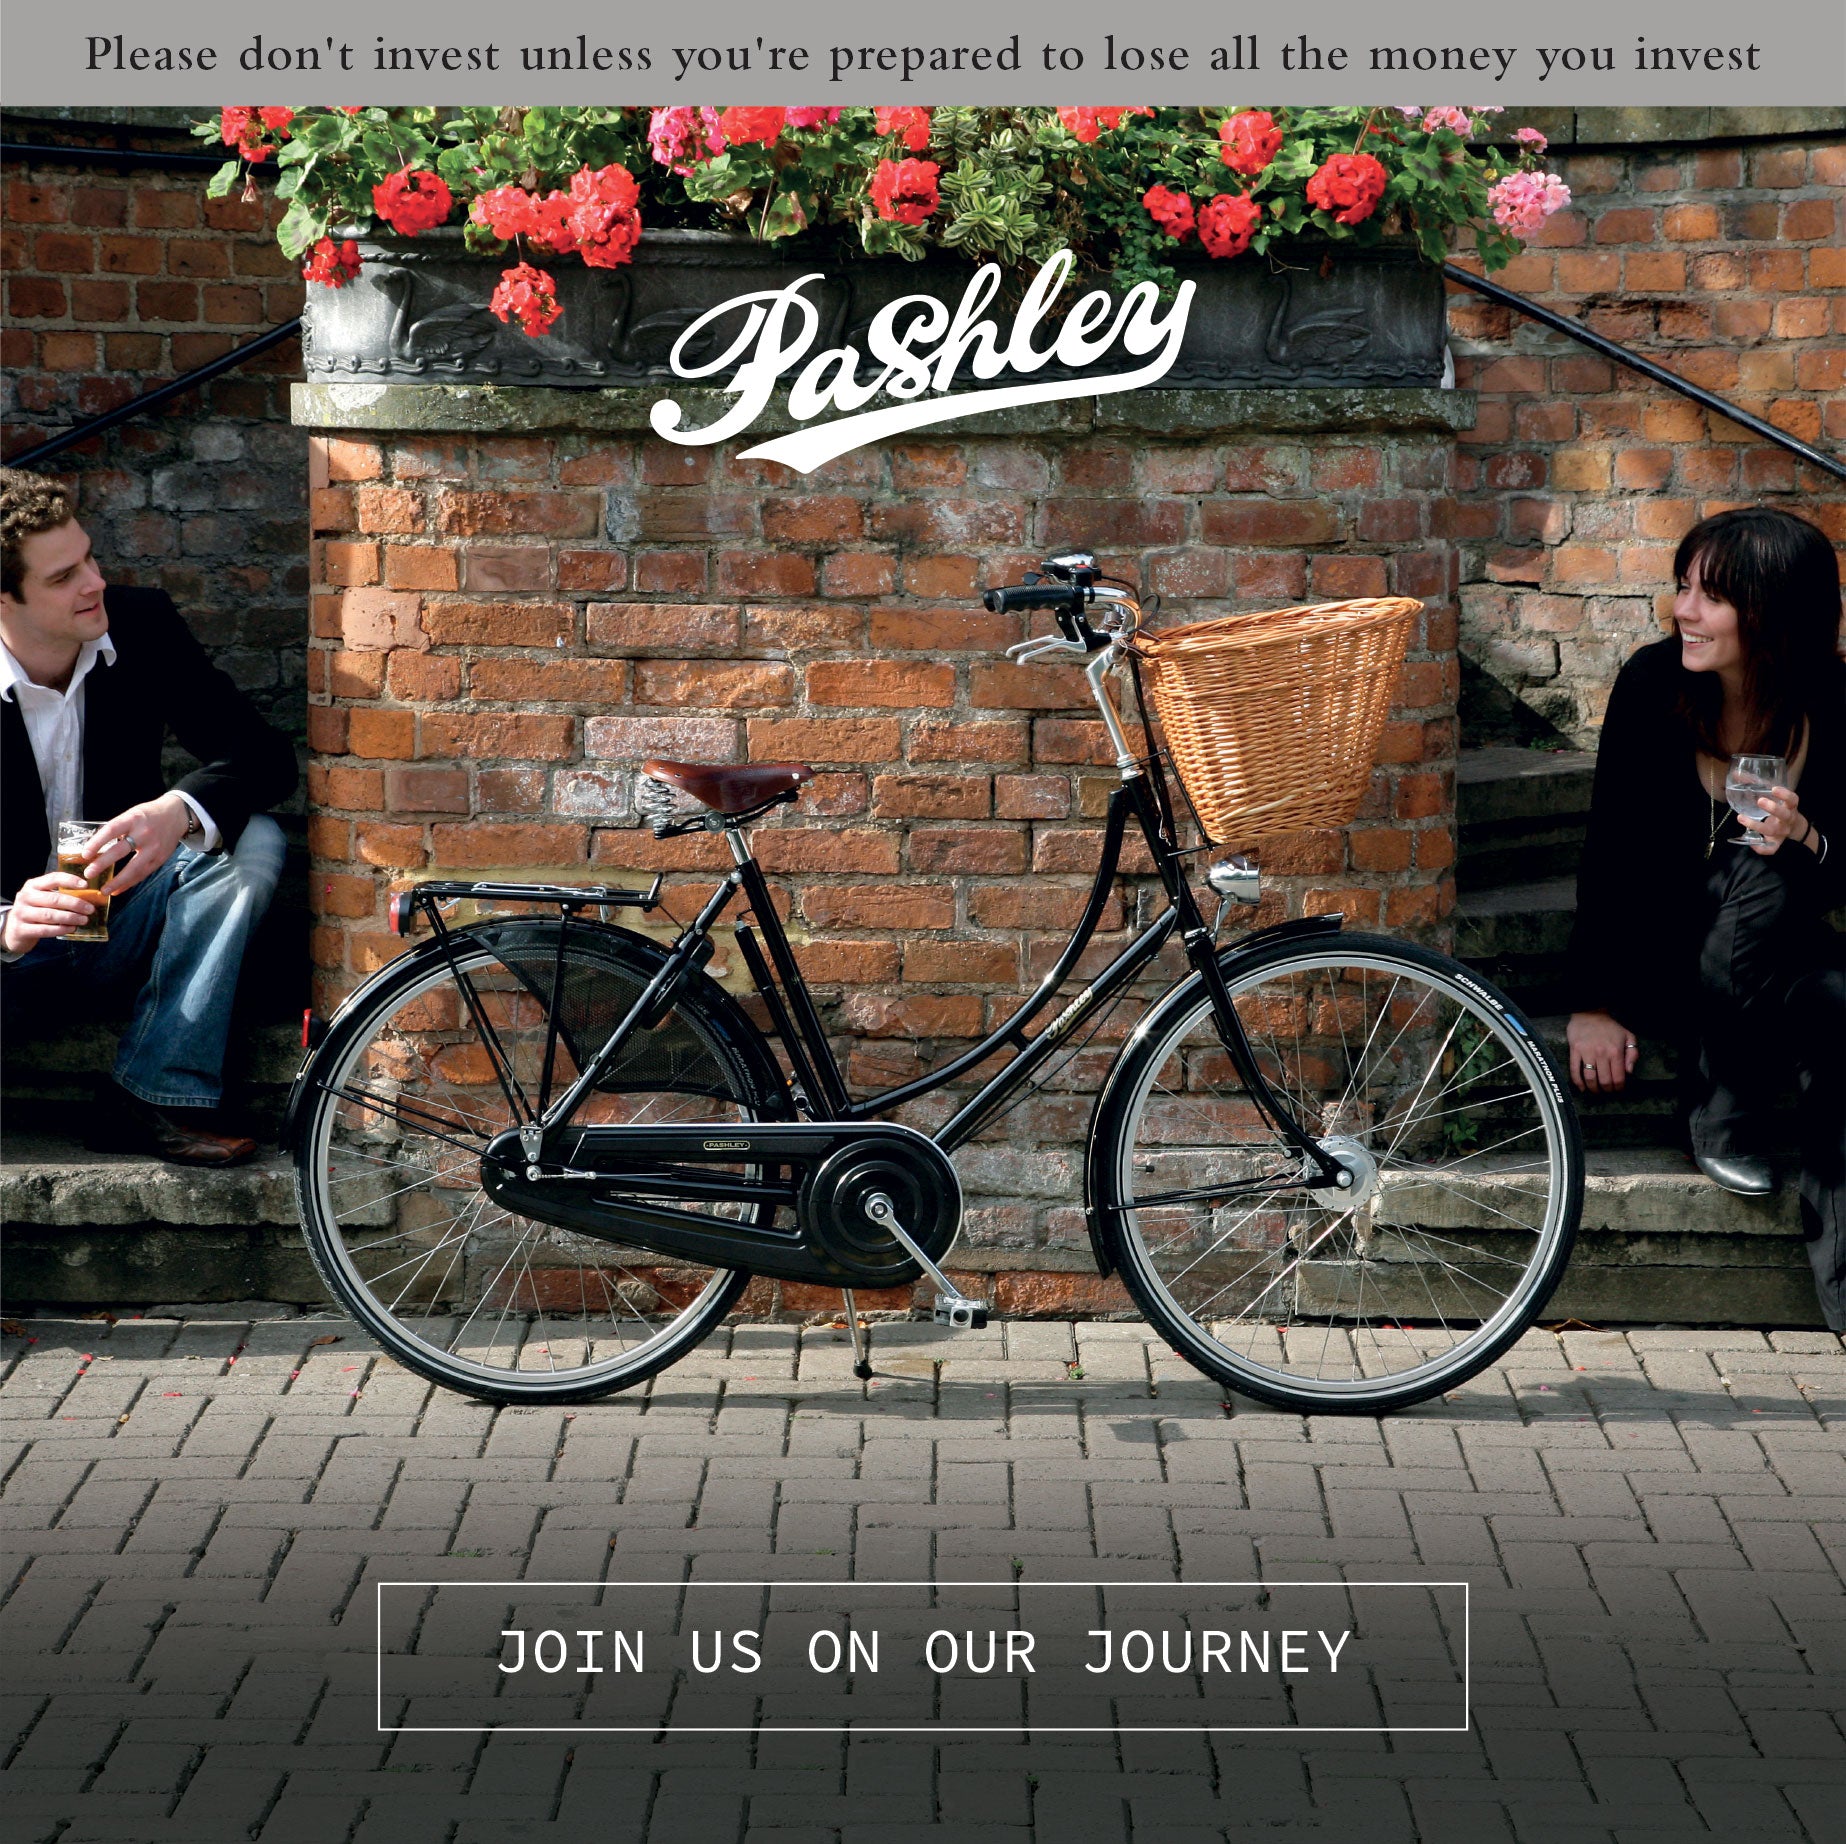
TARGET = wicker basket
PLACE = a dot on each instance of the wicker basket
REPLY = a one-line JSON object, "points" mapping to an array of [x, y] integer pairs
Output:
{"points": [[1273, 719]]}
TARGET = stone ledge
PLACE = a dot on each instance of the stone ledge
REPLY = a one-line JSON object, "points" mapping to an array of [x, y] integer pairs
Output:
{"points": [[1659, 1244], [48, 1182], [490, 409]]}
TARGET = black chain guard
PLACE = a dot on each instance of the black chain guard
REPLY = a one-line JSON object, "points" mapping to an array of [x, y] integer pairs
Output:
{"points": [[653, 1188]]}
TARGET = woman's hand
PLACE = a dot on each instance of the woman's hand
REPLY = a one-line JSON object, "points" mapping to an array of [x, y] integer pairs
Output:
{"points": [[1602, 1052], [1781, 818]]}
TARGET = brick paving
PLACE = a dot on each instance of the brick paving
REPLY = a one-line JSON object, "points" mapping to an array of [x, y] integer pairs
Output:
{"points": [[1653, 1524]]}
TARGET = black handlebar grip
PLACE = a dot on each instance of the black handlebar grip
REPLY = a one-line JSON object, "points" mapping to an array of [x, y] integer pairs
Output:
{"points": [[1030, 595]]}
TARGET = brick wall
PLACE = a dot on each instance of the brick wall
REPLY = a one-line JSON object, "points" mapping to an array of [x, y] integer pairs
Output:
{"points": [[1726, 264], [488, 661], [115, 282]]}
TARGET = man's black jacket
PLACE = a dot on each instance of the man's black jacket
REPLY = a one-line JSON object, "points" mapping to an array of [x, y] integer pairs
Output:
{"points": [[161, 680]]}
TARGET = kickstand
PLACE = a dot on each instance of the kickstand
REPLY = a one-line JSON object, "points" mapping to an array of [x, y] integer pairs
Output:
{"points": [[861, 1357]]}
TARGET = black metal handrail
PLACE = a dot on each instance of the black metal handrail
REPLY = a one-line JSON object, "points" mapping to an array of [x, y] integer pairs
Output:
{"points": [[164, 393], [174, 159], [1560, 323]]}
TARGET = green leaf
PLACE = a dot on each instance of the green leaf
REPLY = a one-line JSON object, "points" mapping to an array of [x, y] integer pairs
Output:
{"points": [[300, 229], [221, 182]]}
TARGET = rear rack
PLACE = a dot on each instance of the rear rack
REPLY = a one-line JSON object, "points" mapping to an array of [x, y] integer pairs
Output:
{"points": [[404, 906]]}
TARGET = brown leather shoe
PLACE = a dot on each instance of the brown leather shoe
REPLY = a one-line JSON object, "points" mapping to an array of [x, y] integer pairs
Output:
{"points": [[181, 1136]]}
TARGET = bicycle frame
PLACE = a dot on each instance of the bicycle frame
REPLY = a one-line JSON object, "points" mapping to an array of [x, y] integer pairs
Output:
{"points": [[818, 1082]]}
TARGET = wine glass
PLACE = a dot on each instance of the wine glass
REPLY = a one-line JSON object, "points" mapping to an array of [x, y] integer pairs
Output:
{"points": [[1748, 779]]}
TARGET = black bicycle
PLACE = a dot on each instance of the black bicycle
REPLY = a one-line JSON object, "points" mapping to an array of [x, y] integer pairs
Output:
{"points": [[540, 1157]]}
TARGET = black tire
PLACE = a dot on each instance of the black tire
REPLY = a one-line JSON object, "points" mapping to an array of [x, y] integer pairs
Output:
{"points": [[387, 1123], [1466, 1190]]}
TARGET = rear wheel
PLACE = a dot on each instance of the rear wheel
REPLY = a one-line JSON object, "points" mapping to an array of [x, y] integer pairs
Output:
{"points": [[407, 1093], [1433, 1095]]}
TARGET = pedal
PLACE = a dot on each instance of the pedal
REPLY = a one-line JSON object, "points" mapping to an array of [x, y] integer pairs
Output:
{"points": [[959, 1313], [953, 1309]]}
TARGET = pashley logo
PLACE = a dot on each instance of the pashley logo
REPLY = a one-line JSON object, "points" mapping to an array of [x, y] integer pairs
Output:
{"points": [[914, 346]]}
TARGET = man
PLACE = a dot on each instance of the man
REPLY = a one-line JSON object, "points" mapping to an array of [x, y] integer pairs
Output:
{"points": [[91, 680]]}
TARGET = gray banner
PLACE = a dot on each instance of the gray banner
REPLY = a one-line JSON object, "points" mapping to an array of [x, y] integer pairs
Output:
{"points": [[1566, 53]]}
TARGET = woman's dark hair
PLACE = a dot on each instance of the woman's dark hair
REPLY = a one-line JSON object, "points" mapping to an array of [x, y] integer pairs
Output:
{"points": [[1783, 578]]}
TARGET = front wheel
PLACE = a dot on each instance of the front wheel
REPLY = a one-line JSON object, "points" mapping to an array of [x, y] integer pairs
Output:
{"points": [[1463, 1162], [432, 1061]]}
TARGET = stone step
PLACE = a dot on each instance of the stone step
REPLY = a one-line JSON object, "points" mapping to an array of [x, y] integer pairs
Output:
{"points": [[50, 1083], [1520, 814], [1660, 1244]]}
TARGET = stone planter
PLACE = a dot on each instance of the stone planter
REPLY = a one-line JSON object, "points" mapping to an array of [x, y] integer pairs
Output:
{"points": [[418, 314]]}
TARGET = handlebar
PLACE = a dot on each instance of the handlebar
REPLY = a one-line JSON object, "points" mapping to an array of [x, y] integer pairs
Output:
{"points": [[1034, 595]]}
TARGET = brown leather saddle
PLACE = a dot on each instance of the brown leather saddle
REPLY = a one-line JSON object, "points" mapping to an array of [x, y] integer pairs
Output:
{"points": [[728, 787]]}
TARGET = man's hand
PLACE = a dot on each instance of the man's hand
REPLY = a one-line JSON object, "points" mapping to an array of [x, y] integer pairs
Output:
{"points": [[43, 909], [152, 831], [1602, 1052]]}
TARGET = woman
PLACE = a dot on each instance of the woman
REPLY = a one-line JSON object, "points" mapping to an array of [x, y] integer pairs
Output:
{"points": [[1698, 926]]}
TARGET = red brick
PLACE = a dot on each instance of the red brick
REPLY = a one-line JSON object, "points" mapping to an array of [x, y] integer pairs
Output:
{"points": [[426, 790], [1304, 521], [941, 630], [561, 681], [389, 509], [881, 906], [785, 849], [714, 684], [753, 573], [516, 514], [513, 846], [326, 730], [355, 675], [1036, 905], [503, 568], [804, 630], [390, 847], [349, 460], [993, 851], [496, 624], [684, 739], [341, 896], [528, 736], [961, 963], [424, 678], [801, 518], [893, 684], [372, 619], [933, 1016], [649, 627], [834, 739], [380, 733], [933, 740], [921, 796], [420, 566]]}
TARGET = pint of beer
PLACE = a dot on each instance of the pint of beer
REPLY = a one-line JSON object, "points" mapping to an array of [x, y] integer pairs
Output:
{"points": [[74, 838]]}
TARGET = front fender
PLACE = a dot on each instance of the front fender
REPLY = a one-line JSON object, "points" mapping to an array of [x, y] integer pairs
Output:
{"points": [[1099, 1184]]}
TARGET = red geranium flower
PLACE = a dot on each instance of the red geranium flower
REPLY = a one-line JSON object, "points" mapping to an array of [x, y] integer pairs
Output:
{"points": [[912, 124], [243, 129], [813, 118], [1250, 140], [1349, 186], [1228, 222], [506, 211], [548, 223], [1172, 211], [603, 219], [334, 264], [412, 202], [740, 126], [904, 191], [277, 121], [529, 296], [1087, 124]]}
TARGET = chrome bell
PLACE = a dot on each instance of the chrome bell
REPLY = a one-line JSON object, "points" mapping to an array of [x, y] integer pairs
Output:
{"points": [[1236, 879]]}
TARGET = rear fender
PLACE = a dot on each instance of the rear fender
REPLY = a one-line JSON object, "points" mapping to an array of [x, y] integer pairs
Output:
{"points": [[636, 955]]}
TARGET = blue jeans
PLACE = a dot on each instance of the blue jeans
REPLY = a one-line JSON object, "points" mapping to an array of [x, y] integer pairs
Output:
{"points": [[176, 943]]}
